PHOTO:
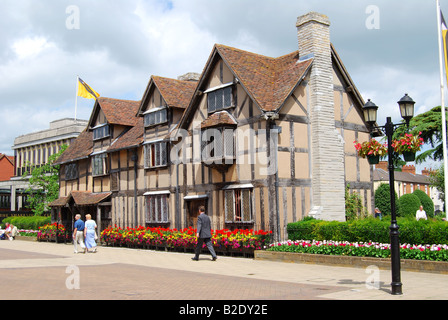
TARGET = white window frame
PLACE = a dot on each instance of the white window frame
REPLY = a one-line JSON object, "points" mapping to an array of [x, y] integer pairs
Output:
{"points": [[99, 164], [223, 145], [155, 116], [156, 154], [101, 131], [216, 98], [157, 207], [235, 200]]}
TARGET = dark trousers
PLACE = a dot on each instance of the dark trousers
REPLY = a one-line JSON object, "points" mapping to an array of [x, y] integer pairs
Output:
{"points": [[208, 243]]}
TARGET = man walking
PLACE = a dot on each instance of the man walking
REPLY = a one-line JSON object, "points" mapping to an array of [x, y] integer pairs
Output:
{"points": [[204, 234], [78, 233]]}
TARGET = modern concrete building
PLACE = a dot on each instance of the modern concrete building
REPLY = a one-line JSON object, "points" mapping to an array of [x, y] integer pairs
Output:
{"points": [[33, 150]]}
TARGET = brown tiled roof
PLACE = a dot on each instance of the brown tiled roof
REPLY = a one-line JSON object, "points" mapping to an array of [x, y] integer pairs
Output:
{"points": [[268, 80], [131, 138], [60, 202], [217, 119], [119, 111], [9, 158], [80, 148], [81, 198], [177, 93]]}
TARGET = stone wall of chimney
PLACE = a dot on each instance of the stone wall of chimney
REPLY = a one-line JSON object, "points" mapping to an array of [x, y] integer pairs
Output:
{"points": [[327, 152]]}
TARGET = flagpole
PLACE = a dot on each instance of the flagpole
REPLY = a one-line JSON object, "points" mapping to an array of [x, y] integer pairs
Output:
{"points": [[76, 100], [442, 102]]}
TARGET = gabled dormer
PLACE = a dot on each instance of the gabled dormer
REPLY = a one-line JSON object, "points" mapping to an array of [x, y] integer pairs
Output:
{"points": [[110, 120], [161, 108], [164, 101]]}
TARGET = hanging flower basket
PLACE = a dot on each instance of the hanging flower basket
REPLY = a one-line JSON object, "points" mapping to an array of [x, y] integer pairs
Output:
{"points": [[373, 159], [409, 156], [372, 150], [408, 145]]}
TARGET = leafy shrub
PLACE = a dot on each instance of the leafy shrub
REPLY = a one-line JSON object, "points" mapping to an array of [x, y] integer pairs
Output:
{"points": [[426, 201], [409, 204], [353, 205], [32, 223], [382, 199], [411, 231]]}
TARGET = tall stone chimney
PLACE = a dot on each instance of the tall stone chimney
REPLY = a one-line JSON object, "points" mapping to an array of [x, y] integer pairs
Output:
{"points": [[327, 149]]}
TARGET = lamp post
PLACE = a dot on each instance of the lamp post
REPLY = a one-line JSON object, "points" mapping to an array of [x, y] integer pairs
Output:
{"points": [[406, 105]]}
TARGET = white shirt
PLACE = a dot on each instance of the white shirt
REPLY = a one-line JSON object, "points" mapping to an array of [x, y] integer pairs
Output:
{"points": [[421, 214]]}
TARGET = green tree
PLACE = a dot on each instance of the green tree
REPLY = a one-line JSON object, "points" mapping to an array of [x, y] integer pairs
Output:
{"points": [[437, 179], [44, 184], [409, 204], [382, 199], [426, 202], [429, 124]]}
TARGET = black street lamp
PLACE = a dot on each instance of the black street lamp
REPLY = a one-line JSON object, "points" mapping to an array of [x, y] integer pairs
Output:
{"points": [[406, 105]]}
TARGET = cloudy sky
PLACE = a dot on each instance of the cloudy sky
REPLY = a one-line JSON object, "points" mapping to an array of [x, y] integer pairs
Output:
{"points": [[388, 47]]}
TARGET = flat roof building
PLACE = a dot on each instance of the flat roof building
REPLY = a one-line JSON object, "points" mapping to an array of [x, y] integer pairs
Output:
{"points": [[34, 149]]}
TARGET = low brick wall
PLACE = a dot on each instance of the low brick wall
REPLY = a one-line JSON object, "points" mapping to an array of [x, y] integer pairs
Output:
{"points": [[357, 262], [25, 238]]}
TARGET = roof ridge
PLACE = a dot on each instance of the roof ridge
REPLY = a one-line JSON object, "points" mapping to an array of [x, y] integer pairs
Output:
{"points": [[173, 79], [242, 50], [117, 99]]}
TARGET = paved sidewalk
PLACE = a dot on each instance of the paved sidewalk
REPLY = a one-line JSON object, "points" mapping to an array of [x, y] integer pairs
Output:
{"points": [[52, 271]]}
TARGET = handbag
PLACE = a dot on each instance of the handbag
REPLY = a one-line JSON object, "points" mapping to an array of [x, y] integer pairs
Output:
{"points": [[96, 236]]}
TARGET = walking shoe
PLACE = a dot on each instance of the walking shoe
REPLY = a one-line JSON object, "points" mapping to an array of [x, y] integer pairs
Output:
{"points": [[195, 259], [214, 258]]}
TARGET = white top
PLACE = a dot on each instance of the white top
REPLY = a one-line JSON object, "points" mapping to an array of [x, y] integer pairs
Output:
{"points": [[421, 214]]}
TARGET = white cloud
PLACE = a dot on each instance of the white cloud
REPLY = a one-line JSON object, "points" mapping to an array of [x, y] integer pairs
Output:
{"points": [[30, 47]]}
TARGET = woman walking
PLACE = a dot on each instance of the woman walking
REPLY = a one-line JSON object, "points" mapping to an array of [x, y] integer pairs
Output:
{"points": [[90, 233]]}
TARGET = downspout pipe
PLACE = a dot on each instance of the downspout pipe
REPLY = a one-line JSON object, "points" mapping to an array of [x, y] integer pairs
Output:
{"points": [[134, 158]]}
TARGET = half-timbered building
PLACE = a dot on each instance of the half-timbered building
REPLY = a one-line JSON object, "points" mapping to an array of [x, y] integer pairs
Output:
{"points": [[259, 141]]}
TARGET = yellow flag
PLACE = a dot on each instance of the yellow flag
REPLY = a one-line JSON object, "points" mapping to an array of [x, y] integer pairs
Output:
{"points": [[85, 91]]}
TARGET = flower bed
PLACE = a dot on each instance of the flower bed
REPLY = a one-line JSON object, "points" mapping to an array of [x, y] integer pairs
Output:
{"points": [[224, 241], [366, 249], [28, 233], [50, 231]]}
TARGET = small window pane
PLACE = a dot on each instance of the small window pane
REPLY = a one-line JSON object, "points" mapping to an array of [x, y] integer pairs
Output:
{"points": [[211, 101], [246, 205], [219, 100], [227, 97], [229, 205]]}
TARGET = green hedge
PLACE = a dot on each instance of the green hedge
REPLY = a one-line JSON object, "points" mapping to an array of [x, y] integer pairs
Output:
{"points": [[411, 231], [426, 201], [29, 223], [409, 204]]}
